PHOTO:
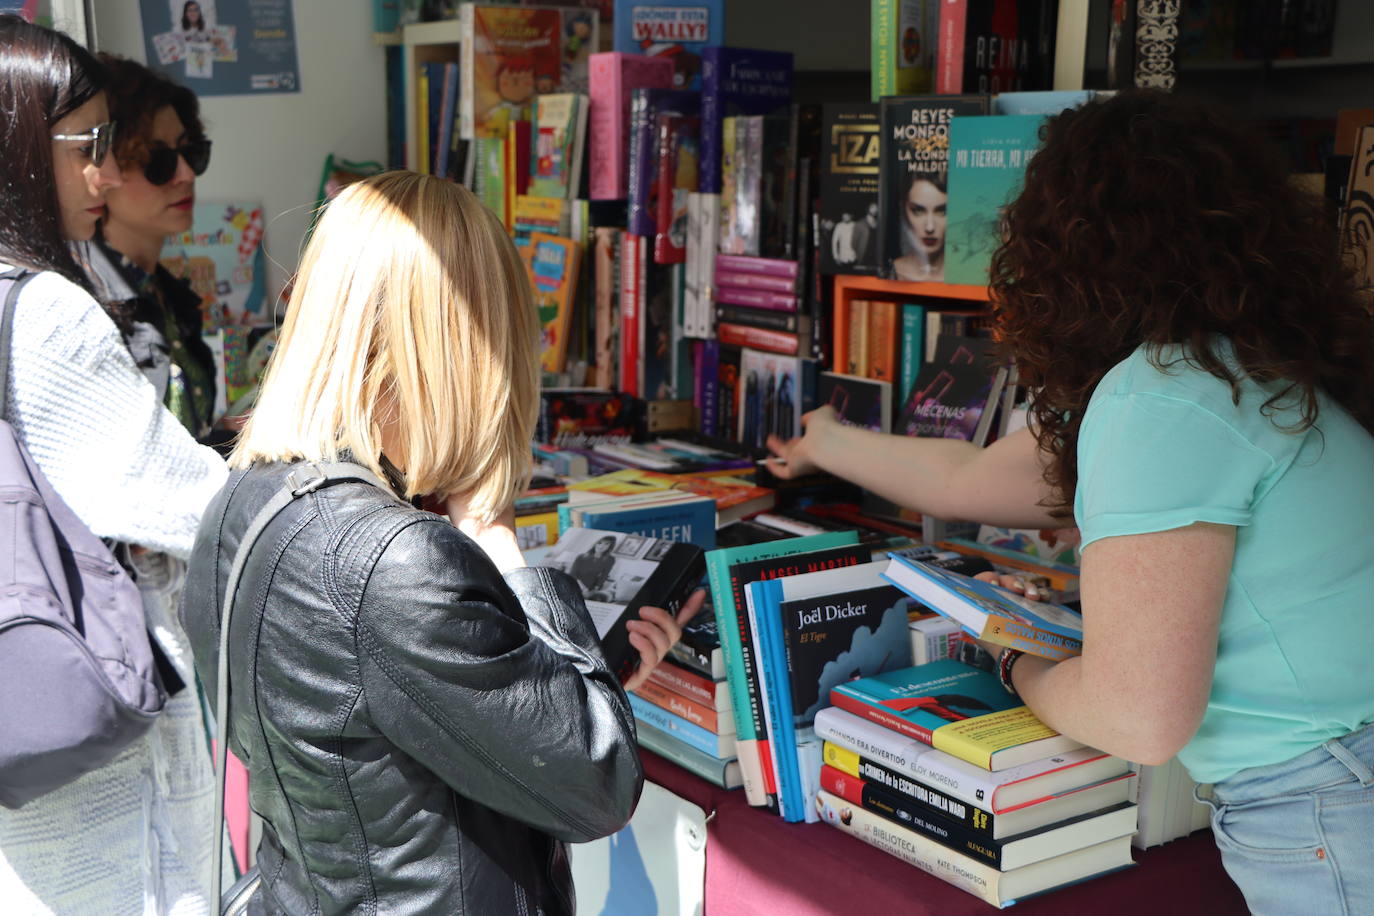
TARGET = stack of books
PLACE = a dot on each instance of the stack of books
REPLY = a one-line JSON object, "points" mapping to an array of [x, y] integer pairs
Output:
{"points": [[939, 766], [684, 715]]}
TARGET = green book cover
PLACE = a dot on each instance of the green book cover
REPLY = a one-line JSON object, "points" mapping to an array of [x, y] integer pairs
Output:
{"points": [[913, 349], [718, 563], [902, 46], [987, 160]]}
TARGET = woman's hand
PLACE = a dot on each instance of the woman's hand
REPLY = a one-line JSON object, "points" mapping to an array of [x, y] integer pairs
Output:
{"points": [[1020, 585], [796, 457], [655, 634], [497, 539]]}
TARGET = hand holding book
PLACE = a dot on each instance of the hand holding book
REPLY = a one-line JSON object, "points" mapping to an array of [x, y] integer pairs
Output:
{"points": [[657, 631]]}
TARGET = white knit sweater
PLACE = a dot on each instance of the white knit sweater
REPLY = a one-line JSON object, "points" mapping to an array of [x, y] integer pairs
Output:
{"points": [[134, 836]]}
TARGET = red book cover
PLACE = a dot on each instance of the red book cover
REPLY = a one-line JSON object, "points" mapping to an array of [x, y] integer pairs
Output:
{"points": [[629, 313], [678, 142], [689, 684], [694, 712], [743, 335], [882, 717], [949, 56]]}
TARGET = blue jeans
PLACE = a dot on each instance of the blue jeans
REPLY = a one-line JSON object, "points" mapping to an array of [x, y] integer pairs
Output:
{"points": [[1298, 836]]}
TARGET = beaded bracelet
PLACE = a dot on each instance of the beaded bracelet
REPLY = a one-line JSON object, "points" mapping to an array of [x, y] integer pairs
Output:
{"points": [[1005, 661]]}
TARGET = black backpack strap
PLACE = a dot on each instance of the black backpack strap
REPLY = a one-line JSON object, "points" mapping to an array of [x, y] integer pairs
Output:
{"points": [[17, 277], [306, 478]]}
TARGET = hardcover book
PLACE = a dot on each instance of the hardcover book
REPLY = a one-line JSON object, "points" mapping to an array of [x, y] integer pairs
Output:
{"points": [[613, 76], [668, 515], [721, 746], [620, 573], [862, 402], [715, 770], [679, 30], [999, 888], [954, 396], [913, 182], [553, 268], [961, 710], [699, 647], [1008, 790], [850, 148], [686, 682], [903, 46], [988, 158], [817, 630], [732, 626], [737, 81], [994, 46], [510, 54], [771, 401], [708, 716]]}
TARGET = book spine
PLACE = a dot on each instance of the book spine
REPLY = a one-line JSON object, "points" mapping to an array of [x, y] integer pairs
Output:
{"points": [[949, 57], [883, 75], [839, 342], [708, 175], [776, 267], [607, 172], [665, 252], [877, 714], [697, 659], [857, 344], [915, 849], [749, 212], [721, 746], [756, 318], [756, 603], [640, 158], [696, 713], [742, 335], [882, 340], [629, 314], [686, 683], [895, 807], [467, 76], [782, 734], [712, 769], [979, 822], [749, 280], [729, 186], [710, 387], [755, 298], [737, 679], [913, 332]]}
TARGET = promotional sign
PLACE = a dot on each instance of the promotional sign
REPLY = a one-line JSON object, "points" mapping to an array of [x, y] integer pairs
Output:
{"points": [[223, 47]]}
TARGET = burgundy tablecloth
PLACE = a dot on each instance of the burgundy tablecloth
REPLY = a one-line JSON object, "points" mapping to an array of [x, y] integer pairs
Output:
{"points": [[757, 864]]}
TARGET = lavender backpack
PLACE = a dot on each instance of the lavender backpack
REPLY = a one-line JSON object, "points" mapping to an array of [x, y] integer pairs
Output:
{"points": [[78, 680]]}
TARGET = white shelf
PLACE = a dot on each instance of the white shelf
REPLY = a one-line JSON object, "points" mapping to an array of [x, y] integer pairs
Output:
{"points": [[430, 33]]}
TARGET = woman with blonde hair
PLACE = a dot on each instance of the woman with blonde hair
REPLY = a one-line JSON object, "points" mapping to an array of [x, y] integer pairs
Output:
{"points": [[425, 720]]}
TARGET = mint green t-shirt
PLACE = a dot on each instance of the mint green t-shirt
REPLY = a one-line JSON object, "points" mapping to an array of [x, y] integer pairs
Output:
{"points": [[1160, 450]]}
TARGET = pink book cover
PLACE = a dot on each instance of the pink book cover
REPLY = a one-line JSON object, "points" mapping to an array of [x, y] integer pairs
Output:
{"points": [[775, 267], [756, 298], [612, 75]]}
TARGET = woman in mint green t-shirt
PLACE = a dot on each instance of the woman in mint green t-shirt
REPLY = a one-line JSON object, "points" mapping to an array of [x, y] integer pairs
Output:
{"points": [[1205, 375], [1205, 414]]}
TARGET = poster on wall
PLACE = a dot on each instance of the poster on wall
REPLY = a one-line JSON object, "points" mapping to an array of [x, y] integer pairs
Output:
{"points": [[223, 47]]}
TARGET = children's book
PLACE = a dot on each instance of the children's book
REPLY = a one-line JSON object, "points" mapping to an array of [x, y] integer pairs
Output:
{"points": [[737, 81], [955, 395], [990, 613], [620, 573], [679, 30], [559, 135], [553, 267], [815, 631], [961, 710], [987, 161], [732, 627], [862, 402], [511, 54], [613, 76]]}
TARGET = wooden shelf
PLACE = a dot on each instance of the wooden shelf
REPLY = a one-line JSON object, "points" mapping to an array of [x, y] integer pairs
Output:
{"points": [[431, 33], [900, 288]]}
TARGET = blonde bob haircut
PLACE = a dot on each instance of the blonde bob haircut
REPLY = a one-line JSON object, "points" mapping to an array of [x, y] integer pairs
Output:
{"points": [[411, 306]]}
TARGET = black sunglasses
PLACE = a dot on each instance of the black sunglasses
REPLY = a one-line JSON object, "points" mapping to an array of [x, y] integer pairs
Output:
{"points": [[162, 160]]}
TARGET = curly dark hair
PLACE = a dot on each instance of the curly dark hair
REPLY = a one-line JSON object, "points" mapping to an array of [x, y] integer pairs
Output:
{"points": [[136, 95], [1152, 219]]}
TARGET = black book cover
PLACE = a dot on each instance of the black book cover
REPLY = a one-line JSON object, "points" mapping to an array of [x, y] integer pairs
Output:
{"points": [[950, 393], [620, 573], [700, 640], [728, 392], [913, 181], [849, 188], [583, 417], [777, 176], [757, 318], [862, 402]]}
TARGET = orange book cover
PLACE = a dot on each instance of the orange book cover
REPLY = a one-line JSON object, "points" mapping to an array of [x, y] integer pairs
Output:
{"points": [[882, 340]]}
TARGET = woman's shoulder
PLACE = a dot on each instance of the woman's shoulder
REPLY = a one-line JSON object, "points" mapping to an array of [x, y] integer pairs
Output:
{"points": [[50, 306], [1171, 371]]}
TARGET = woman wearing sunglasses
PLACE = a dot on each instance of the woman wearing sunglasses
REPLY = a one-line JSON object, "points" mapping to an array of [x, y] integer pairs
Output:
{"points": [[160, 149], [129, 836]]}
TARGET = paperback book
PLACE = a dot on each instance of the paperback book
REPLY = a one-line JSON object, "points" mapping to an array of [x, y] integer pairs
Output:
{"points": [[955, 708], [679, 30], [577, 418], [668, 515], [737, 81], [850, 148], [862, 402], [553, 272], [770, 397], [990, 613], [715, 770], [619, 574], [613, 76], [955, 395], [708, 742]]}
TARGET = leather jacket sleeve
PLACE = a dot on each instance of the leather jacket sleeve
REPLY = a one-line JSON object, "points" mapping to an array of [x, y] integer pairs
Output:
{"points": [[521, 715]]}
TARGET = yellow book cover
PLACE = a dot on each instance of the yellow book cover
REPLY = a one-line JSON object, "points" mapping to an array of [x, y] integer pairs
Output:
{"points": [[536, 530], [980, 739], [841, 758]]}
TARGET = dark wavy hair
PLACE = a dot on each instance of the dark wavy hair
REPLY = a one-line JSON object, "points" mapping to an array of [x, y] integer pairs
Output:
{"points": [[1152, 219], [136, 95], [44, 76]]}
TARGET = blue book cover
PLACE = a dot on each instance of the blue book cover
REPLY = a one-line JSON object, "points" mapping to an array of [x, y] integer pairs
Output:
{"points": [[987, 160], [689, 521], [645, 107], [677, 29], [737, 81], [913, 348], [1047, 102], [721, 746]]}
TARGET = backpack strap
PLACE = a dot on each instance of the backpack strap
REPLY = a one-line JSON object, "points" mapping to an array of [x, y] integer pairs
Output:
{"points": [[17, 277], [301, 480]]}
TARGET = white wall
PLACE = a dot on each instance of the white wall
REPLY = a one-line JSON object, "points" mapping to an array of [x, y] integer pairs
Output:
{"points": [[271, 147]]}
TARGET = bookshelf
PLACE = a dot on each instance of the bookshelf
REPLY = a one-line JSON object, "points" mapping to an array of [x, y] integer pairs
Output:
{"points": [[423, 43]]}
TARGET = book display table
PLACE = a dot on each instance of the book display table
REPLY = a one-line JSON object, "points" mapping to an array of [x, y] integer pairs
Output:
{"points": [[758, 864]]}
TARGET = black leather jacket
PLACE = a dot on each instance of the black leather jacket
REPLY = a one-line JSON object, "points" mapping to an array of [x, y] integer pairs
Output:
{"points": [[421, 732]]}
